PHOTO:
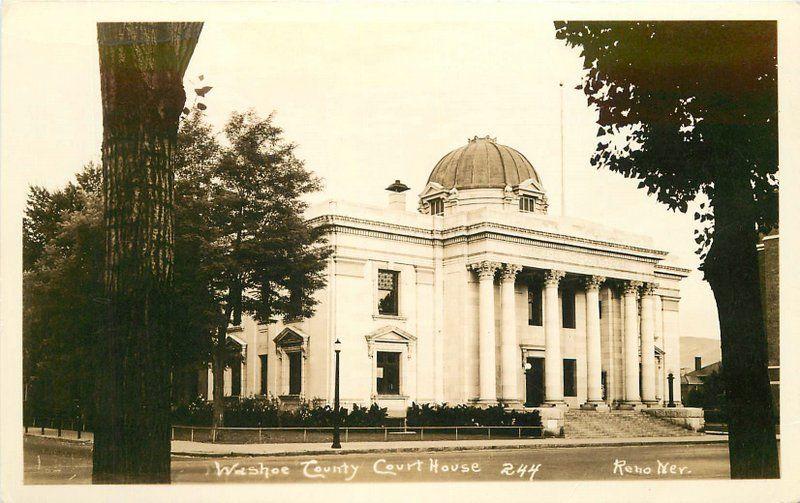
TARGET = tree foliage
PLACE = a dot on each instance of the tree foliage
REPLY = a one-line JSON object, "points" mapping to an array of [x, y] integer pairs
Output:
{"points": [[264, 259], [678, 103], [238, 225], [690, 109], [62, 285]]}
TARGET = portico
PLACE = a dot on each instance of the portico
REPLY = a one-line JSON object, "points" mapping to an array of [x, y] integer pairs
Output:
{"points": [[638, 325]]}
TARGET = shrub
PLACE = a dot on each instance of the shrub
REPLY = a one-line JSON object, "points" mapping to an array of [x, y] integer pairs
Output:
{"points": [[252, 412], [363, 416], [468, 415], [194, 413], [265, 412]]}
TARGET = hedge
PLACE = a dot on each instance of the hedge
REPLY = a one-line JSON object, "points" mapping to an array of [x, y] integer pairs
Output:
{"points": [[265, 412], [469, 415]]}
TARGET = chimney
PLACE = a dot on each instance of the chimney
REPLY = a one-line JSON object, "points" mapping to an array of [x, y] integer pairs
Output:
{"points": [[397, 196], [698, 363]]}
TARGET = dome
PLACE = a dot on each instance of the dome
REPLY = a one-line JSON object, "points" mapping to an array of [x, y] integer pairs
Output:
{"points": [[483, 164]]}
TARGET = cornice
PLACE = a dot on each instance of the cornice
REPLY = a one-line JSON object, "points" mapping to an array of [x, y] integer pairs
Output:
{"points": [[484, 230], [672, 270]]}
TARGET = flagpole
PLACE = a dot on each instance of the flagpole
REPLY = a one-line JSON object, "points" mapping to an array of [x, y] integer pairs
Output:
{"points": [[561, 125]]}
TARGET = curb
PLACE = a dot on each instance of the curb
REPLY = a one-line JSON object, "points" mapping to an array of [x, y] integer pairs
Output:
{"points": [[75, 441], [444, 448], [405, 449]]}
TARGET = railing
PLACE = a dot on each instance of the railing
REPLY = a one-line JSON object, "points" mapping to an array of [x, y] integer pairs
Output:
{"points": [[306, 434], [60, 425], [350, 433]]}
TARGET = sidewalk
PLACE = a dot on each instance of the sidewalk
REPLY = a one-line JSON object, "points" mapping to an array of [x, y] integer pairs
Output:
{"points": [[201, 449]]}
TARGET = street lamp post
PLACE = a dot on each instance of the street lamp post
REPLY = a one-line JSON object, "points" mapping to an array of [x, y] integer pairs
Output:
{"points": [[337, 347], [670, 379], [527, 366]]}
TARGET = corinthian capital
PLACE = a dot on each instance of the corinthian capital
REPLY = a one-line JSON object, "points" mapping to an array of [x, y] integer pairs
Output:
{"points": [[648, 289], [593, 282], [509, 272], [631, 287], [485, 268], [552, 277]]}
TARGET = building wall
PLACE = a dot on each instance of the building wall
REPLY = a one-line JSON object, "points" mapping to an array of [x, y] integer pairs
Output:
{"points": [[347, 310]]}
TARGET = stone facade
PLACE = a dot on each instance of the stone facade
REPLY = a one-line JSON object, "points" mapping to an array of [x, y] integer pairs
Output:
{"points": [[478, 297]]}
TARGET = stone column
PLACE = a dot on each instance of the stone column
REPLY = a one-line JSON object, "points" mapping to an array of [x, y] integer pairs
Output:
{"points": [[553, 364], [631, 343], [509, 348], [661, 376], [593, 354], [648, 345], [486, 338]]}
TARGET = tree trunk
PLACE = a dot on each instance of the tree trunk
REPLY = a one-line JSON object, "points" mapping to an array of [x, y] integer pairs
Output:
{"points": [[731, 269], [218, 370], [141, 74]]}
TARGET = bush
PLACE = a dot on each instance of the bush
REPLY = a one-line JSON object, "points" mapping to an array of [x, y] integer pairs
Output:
{"points": [[265, 412], [468, 415], [251, 412], [195, 413]]}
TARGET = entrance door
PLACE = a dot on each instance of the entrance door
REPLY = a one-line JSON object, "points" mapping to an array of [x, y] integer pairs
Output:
{"points": [[534, 382]]}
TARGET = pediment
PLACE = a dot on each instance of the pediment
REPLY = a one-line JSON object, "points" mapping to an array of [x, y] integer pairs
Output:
{"points": [[238, 340], [291, 336], [432, 189], [391, 333], [530, 185]]}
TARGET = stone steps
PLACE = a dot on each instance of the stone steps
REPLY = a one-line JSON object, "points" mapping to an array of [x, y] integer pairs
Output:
{"points": [[617, 424]]}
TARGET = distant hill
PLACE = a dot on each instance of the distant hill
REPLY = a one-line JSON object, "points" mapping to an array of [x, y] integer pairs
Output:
{"points": [[705, 348]]}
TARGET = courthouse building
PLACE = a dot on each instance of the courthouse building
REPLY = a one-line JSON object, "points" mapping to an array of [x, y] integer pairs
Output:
{"points": [[480, 296]]}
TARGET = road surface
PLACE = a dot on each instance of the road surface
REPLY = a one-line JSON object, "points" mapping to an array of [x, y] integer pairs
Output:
{"points": [[48, 462]]}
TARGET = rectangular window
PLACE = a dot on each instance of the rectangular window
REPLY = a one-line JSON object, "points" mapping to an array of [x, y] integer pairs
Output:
{"points": [[387, 292], [437, 206], [295, 372], [388, 372], [534, 305], [263, 359], [568, 308], [527, 204], [569, 377]]}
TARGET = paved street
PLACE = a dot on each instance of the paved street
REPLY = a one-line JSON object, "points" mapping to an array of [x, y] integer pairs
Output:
{"points": [[48, 462]]}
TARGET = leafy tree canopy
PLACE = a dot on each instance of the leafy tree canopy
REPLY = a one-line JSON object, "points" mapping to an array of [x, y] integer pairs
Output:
{"points": [[680, 103], [238, 225]]}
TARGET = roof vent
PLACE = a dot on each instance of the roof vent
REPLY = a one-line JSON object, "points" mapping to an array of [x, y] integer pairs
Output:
{"points": [[397, 186]]}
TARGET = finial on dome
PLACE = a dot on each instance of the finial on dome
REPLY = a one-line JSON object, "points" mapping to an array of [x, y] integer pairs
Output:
{"points": [[492, 139]]}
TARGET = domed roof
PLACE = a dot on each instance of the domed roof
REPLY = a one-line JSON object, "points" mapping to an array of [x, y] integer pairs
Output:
{"points": [[483, 164]]}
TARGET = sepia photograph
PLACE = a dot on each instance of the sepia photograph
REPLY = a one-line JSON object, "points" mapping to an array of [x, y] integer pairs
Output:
{"points": [[317, 250]]}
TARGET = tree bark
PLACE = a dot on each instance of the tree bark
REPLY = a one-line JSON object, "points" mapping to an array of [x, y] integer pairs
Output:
{"points": [[731, 269], [218, 370], [141, 76]]}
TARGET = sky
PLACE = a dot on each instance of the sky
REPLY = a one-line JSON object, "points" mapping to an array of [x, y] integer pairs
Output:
{"points": [[368, 99]]}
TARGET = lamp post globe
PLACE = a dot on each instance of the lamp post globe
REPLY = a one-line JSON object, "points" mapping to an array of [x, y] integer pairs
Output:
{"points": [[337, 348]]}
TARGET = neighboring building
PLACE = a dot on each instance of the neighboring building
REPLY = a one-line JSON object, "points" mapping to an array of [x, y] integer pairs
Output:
{"points": [[477, 297], [705, 348], [691, 381], [770, 302]]}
